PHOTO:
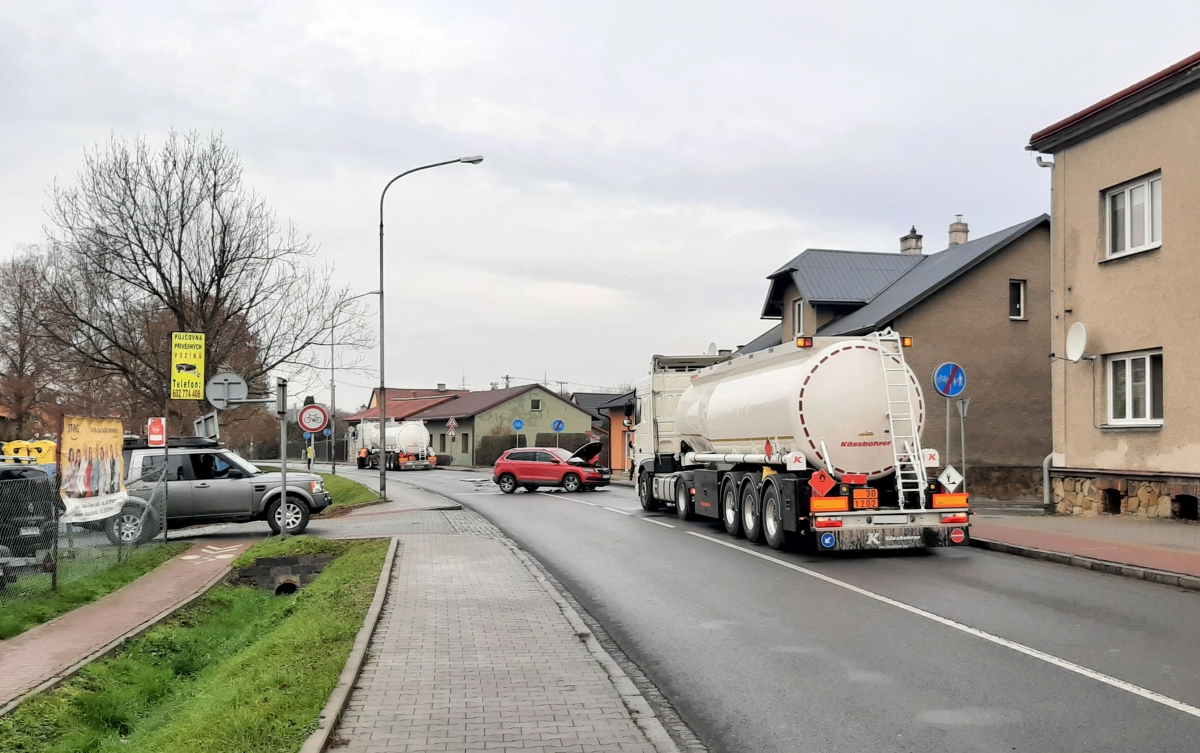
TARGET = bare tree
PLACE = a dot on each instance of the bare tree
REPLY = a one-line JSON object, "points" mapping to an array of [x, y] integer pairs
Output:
{"points": [[152, 242], [27, 360]]}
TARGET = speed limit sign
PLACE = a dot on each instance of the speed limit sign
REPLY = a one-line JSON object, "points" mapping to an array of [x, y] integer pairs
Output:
{"points": [[313, 418]]}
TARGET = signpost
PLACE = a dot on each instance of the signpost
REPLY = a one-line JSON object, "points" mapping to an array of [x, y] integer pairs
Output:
{"points": [[963, 404], [313, 419], [452, 423], [949, 380], [187, 366], [226, 389], [558, 425], [518, 424]]}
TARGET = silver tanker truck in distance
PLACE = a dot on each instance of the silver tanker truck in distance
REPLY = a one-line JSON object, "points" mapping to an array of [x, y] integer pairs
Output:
{"points": [[816, 441]]}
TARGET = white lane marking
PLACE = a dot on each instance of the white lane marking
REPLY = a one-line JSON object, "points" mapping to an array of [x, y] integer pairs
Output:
{"points": [[1019, 647], [619, 512], [569, 499], [657, 522]]}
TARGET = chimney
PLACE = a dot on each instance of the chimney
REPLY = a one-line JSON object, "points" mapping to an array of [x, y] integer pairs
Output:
{"points": [[441, 386], [911, 243], [958, 231], [495, 385]]}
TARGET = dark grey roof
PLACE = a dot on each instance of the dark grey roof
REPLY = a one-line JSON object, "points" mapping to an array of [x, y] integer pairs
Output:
{"points": [[831, 276], [591, 401], [768, 339], [618, 401], [933, 273]]}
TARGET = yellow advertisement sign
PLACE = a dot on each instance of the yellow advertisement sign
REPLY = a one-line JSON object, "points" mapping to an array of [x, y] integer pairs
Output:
{"points": [[187, 366], [92, 468]]}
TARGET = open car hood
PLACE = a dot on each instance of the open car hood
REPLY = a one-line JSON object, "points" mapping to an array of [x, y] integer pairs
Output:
{"points": [[587, 454]]}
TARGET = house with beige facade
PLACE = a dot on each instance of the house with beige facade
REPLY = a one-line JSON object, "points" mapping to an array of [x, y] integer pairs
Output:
{"points": [[982, 303], [1124, 270]]}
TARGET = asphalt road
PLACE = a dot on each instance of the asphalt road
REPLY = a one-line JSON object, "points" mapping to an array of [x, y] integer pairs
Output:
{"points": [[951, 650]]}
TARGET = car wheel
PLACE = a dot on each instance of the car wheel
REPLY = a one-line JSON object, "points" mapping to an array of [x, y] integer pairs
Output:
{"points": [[571, 482], [729, 511], [507, 483], [772, 518], [296, 512], [133, 525], [649, 503], [683, 500], [751, 519]]}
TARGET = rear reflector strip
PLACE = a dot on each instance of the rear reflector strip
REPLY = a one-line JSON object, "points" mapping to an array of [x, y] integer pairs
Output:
{"points": [[950, 500], [829, 504]]}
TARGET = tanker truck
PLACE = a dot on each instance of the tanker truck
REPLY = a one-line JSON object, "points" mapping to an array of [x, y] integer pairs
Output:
{"points": [[815, 442], [408, 446]]}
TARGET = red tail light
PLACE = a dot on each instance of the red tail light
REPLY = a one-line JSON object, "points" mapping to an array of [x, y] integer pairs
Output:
{"points": [[827, 523], [954, 518], [804, 342]]}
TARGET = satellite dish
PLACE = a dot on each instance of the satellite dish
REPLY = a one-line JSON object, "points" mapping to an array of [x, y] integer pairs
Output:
{"points": [[712, 349], [1076, 342]]}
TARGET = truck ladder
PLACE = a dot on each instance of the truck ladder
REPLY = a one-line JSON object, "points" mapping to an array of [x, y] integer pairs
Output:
{"points": [[911, 481]]}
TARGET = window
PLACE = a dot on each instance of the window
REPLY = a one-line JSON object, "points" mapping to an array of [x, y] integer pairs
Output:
{"points": [[637, 412], [543, 457], [441, 442], [798, 317], [1134, 215], [1135, 389], [521, 456], [152, 467], [535, 404], [1016, 299], [210, 466]]}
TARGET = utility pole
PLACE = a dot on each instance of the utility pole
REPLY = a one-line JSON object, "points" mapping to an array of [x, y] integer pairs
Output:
{"points": [[507, 381]]}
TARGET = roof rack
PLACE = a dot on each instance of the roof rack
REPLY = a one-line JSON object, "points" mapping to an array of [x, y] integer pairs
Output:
{"points": [[138, 443]]}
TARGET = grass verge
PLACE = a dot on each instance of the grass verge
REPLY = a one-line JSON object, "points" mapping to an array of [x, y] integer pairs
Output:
{"points": [[26, 610], [238, 670], [346, 493]]}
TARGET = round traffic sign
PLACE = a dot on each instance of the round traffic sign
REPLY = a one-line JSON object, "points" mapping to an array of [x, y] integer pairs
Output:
{"points": [[307, 435], [828, 540], [958, 536], [558, 425], [224, 387], [518, 424], [312, 418], [328, 432], [949, 379]]}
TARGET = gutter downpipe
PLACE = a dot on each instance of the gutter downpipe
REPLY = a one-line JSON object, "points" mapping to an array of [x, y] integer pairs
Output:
{"points": [[1046, 483], [1047, 507]]}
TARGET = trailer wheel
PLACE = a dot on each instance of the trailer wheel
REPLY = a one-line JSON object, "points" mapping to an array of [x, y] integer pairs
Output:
{"points": [[729, 510], [772, 518], [683, 500], [751, 519], [649, 503]]}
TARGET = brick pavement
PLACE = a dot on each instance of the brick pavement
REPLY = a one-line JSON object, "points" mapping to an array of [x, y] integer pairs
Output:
{"points": [[472, 653], [1168, 545], [46, 651]]}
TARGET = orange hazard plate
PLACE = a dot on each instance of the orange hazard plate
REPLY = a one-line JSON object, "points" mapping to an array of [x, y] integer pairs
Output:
{"points": [[866, 499]]}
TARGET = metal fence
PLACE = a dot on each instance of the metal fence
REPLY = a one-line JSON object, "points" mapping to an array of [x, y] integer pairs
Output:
{"points": [[41, 551]]}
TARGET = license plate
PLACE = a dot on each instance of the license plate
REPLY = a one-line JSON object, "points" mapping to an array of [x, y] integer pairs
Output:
{"points": [[30, 531]]}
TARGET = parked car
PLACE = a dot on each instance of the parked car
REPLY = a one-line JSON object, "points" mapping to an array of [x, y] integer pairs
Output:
{"points": [[207, 483], [28, 497], [533, 467]]}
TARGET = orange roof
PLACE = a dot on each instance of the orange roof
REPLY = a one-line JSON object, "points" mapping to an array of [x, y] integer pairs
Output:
{"points": [[408, 393], [400, 408]]}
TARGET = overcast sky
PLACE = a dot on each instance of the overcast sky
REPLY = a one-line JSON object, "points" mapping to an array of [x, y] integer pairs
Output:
{"points": [[647, 163]]}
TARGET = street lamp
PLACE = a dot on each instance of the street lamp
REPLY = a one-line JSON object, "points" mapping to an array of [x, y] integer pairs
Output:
{"points": [[333, 385], [382, 385]]}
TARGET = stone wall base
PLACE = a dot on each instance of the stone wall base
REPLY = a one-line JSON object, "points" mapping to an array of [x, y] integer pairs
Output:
{"points": [[1117, 495], [1009, 483]]}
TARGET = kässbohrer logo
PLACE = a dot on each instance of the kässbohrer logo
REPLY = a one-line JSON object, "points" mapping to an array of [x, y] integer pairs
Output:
{"points": [[872, 443]]}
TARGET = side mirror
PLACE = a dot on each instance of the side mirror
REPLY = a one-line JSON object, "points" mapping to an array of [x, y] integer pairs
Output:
{"points": [[234, 473], [627, 423], [556, 461]]}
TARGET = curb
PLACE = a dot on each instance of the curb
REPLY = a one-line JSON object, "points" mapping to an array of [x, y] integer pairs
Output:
{"points": [[1179, 580], [332, 713], [639, 709], [112, 645]]}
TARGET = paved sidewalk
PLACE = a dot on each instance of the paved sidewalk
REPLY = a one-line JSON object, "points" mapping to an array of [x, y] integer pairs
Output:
{"points": [[45, 652], [1168, 545], [472, 653]]}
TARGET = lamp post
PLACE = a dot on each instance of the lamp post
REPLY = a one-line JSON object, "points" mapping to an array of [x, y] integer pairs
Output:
{"points": [[333, 384], [382, 383]]}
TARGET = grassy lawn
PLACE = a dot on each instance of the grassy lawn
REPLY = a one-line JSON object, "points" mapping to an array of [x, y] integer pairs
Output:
{"points": [[30, 602], [238, 670]]}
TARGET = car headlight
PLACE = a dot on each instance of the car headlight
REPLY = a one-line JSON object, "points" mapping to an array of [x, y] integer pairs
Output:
{"points": [[316, 486]]}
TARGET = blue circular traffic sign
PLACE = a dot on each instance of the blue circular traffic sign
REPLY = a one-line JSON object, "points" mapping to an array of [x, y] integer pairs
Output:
{"points": [[518, 424], [307, 435], [328, 432], [828, 540], [949, 379], [558, 424]]}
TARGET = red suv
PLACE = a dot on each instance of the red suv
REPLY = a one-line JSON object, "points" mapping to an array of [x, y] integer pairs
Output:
{"points": [[532, 467]]}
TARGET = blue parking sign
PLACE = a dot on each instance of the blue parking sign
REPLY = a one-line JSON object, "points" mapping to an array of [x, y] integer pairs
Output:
{"points": [[558, 424]]}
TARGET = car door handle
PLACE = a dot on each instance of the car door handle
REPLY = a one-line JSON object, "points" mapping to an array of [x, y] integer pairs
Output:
{"points": [[200, 486]]}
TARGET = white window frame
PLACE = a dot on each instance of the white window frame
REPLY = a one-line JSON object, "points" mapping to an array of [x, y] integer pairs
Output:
{"points": [[1022, 283], [798, 317], [1151, 243], [1109, 385], [535, 403]]}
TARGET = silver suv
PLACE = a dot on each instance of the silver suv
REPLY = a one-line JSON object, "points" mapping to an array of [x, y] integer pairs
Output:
{"points": [[207, 483]]}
